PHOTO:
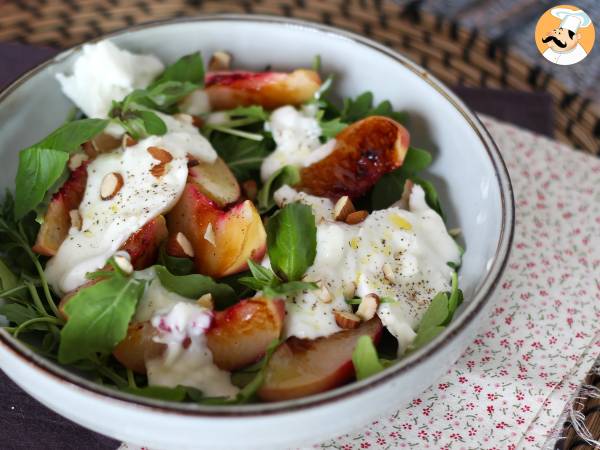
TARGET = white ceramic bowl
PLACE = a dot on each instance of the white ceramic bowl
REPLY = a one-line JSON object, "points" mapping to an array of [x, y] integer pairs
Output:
{"points": [[468, 171]]}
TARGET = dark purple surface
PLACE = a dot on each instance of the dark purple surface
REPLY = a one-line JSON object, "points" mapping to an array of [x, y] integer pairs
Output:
{"points": [[26, 424]]}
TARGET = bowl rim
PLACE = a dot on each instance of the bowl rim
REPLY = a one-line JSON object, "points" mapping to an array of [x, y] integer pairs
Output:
{"points": [[473, 307]]}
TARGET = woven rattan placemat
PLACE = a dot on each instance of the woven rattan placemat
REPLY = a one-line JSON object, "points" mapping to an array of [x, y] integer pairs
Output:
{"points": [[454, 55]]}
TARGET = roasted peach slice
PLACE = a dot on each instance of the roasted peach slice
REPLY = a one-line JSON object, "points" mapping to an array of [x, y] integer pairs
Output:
{"points": [[229, 89], [240, 334], [143, 245], [57, 219], [221, 242], [364, 151], [216, 181], [302, 367], [237, 337]]}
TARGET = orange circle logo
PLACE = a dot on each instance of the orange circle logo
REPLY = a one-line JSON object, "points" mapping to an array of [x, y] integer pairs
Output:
{"points": [[565, 35]]}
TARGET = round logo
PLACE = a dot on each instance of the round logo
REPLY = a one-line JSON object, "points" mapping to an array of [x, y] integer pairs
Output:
{"points": [[565, 35]]}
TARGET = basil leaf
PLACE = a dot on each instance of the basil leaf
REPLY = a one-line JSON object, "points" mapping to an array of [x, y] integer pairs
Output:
{"points": [[164, 96], [42, 164], [175, 265], [262, 274], [152, 123], [365, 359], [39, 168], [195, 285], [415, 161], [98, 317], [243, 156], [289, 175], [289, 288], [176, 394], [71, 135], [188, 68], [292, 241]]}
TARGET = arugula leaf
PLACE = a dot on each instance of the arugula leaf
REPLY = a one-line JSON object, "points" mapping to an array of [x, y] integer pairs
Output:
{"points": [[42, 164], [365, 359], [188, 68], [175, 265], [286, 175], [331, 128], [255, 112], [388, 189], [263, 279], [362, 107], [98, 317], [438, 315], [176, 394], [195, 285], [243, 156], [289, 288], [19, 314], [292, 241], [8, 280], [431, 196]]}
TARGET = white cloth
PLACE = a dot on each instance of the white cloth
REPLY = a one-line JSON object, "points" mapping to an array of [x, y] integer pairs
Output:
{"points": [[565, 58]]}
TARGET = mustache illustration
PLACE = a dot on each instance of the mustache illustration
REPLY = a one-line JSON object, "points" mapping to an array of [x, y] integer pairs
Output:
{"points": [[556, 41]]}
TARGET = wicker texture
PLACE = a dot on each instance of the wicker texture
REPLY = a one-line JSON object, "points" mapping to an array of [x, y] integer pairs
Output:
{"points": [[455, 55]]}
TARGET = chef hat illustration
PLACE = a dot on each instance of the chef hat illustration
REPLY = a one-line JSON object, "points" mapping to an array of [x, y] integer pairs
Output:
{"points": [[570, 19]]}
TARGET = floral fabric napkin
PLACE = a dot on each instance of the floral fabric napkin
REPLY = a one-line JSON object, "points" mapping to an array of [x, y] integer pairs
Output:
{"points": [[510, 386]]}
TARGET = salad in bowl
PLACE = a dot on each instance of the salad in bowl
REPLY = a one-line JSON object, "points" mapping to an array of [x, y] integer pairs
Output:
{"points": [[221, 236]]}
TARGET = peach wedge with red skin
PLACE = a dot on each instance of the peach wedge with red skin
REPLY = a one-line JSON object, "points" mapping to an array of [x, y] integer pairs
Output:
{"points": [[143, 245], [230, 89], [237, 337], [301, 367], [216, 181], [57, 220], [363, 152], [222, 241]]}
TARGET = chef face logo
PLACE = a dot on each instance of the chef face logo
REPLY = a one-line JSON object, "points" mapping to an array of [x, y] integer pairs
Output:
{"points": [[564, 35]]}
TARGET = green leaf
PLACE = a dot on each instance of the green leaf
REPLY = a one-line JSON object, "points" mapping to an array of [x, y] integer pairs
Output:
{"points": [[195, 285], [289, 175], [19, 314], [98, 317], [431, 196], [358, 108], [455, 299], [365, 359], [248, 112], [152, 123], [389, 188], [292, 241], [176, 394], [164, 96], [426, 336], [316, 65], [262, 274], [188, 68], [437, 313], [39, 168], [289, 288], [415, 161], [8, 280], [331, 128], [42, 164], [243, 156], [175, 265], [71, 135], [249, 391]]}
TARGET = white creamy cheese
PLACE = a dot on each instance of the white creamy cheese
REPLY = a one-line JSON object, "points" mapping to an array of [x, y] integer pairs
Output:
{"points": [[196, 103], [296, 133], [104, 73], [322, 207], [107, 224], [415, 247], [181, 326]]}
